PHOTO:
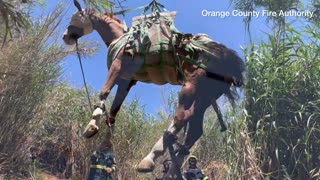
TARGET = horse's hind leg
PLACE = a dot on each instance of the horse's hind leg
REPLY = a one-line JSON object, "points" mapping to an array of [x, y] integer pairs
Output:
{"points": [[206, 91], [219, 115], [183, 114], [195, 130]]}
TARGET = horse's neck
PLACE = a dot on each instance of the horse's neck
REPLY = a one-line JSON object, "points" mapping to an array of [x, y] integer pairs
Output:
{"points": [[108, 28]]}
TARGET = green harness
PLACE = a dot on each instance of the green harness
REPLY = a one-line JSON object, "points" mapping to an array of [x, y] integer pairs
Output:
{"points": [[155, 34]]}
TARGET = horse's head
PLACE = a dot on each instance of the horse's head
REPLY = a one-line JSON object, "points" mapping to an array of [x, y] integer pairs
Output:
{"points": [[79, 26]]}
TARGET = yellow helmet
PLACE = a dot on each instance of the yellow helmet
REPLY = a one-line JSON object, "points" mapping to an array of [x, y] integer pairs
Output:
{"points": [[193, 157]]}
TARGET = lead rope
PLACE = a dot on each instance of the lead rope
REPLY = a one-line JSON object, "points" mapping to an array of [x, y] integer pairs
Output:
{"points": [[83, 77], [85, 85]]}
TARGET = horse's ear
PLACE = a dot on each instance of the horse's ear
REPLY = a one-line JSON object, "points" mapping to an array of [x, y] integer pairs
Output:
{"points": [[77, 4]]}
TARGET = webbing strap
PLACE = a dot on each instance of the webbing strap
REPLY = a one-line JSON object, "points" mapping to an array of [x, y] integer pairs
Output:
{"points": [[202, 46], [115, 47], [123, 12], [153, 5], [125, 27], [194, 62]]}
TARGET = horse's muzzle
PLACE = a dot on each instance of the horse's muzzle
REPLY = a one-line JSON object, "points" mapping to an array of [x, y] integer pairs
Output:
{"points": [[72, 34]]}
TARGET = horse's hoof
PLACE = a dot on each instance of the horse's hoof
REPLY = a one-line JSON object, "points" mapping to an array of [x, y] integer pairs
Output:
{"points": [[90, 131], [146, 166]]}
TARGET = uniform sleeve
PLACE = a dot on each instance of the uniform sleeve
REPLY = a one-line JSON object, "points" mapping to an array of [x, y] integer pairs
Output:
{"points": [[114, 165], [204, 176], [186, 174], [202, 173]]}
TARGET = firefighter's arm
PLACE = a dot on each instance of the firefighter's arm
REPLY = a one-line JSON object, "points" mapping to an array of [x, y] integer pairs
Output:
{"points": [[112, 168]]}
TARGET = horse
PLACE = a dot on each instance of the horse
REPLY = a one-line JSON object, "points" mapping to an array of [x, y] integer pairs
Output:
{"points": [[200, 87]]}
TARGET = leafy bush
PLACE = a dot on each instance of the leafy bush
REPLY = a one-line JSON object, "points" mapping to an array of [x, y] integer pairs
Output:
{"points": [[284, 114]]}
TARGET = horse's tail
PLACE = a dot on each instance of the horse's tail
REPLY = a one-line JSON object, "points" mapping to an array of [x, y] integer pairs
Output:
{"points": [[235, 66], [222, 63]]}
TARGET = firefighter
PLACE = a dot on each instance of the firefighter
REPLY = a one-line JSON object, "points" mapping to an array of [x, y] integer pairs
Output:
{"points": [[102, 162], [193, 172]]}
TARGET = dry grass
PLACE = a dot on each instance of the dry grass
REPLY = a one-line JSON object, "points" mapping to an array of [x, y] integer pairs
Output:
{"points": [[250, 163], [29, 69], [216, 170]]}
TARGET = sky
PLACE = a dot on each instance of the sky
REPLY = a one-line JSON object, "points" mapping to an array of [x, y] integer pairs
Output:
{"points": [[190, 18]]}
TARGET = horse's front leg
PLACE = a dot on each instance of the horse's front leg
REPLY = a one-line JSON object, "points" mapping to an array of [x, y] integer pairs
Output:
{"points": [[113, 75], [124, 87]]}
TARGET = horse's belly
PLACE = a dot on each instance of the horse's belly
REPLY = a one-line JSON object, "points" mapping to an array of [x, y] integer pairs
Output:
{"points": [[157, 75], [158, 69]]}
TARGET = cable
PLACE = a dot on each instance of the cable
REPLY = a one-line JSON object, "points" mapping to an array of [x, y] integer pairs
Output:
{"points": [[83, 77]]}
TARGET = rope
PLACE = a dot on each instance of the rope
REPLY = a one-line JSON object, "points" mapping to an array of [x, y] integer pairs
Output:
{"points": [[154, 5], [83, 77], [123, 12]]}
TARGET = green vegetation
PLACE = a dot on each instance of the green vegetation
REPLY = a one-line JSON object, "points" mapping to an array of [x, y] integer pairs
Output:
{"points": [[284, 115]]}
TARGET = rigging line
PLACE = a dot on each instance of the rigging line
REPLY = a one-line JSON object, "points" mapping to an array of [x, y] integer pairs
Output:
{"points": [[83, 77]]}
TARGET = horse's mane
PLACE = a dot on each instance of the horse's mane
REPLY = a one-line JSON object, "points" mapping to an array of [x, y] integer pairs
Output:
{"points": [[109, 14]]}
